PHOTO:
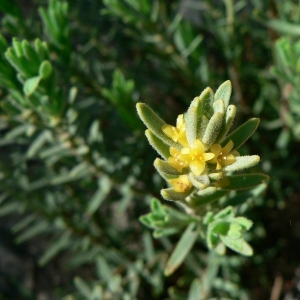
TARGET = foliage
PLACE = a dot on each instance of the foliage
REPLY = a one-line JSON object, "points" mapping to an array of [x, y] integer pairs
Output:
{"points": [[78, 183]]}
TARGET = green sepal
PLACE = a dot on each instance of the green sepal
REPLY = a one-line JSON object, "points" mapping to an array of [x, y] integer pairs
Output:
{"points": [[242, 133], [224, 92], [162, 149], [170, 195], [207, 99], [165, 170], [194, 200], [219, 106], [242, 162], [245, 181], [155, 123], [213, 129], [199, 182], [191, 119], [227, 122]]}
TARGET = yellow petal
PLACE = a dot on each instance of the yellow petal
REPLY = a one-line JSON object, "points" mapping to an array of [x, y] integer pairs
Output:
{"points": [[180, 122], [197, 167], [170, 131], [208, 156], [175, 164], [181, 184], [216, 149], [198, 146], [228, 147]]}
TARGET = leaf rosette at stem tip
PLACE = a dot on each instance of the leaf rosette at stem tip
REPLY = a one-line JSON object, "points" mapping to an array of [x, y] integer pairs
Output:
{"points": [[199, 156]]}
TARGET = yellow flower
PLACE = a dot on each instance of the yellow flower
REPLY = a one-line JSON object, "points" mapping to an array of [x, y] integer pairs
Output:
{"points": [[181, 184], [178, 133], [175, 160], [196, 157], [223, 156]]}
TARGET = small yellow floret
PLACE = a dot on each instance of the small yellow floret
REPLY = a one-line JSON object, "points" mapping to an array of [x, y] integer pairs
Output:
{"points": [[176, 161], [178, 133], [181, 184], [223, 156], [196, 157]]}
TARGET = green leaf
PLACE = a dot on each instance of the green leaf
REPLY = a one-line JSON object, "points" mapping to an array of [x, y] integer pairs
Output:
{"points": [[245, 181], [213, 128], [207, 98], [227, 122], [31, 85], [238, 245], [55, 247], [244, 222], [45, 69], [157, 207], [242, 133], [284, 27], [165, 170], [170, 195], [99, 196], [158, 233], [242, 162], [200, 182], [195, 200], [155, 123], [224, 92], [219, 107], [182, 249], [82, 287], [195, 290], [158, 144], [191, 119]]}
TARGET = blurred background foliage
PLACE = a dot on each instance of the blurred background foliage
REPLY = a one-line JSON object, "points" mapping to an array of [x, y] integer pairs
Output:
{"points": [[76, 171]]}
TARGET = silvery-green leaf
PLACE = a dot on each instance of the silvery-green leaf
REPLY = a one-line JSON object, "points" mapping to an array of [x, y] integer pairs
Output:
{"points": [[224, 92], [243, 222], [219, 106], [200, 182], [165, 170], [155, 123], [158, 144], [213, 128], [191, 119], [227, 122], [238, 245], [194, 200], [242, 133], [207, 98], [245, 181], [182, 249], [226, 213], [242, 162], [202, 124], [170, 195]]}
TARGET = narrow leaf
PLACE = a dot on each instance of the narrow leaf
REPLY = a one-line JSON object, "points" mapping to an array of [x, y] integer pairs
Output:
{"points": [[182, 249], [243, 162], [224, 92], [242, 133], [213, 128], [195, 200], [155, 123], [245, 181], [31, 85], [162, 148]]}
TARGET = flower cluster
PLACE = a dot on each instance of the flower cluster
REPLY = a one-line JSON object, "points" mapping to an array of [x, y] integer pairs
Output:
{"points": [[199, 156], [195, 156]]}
